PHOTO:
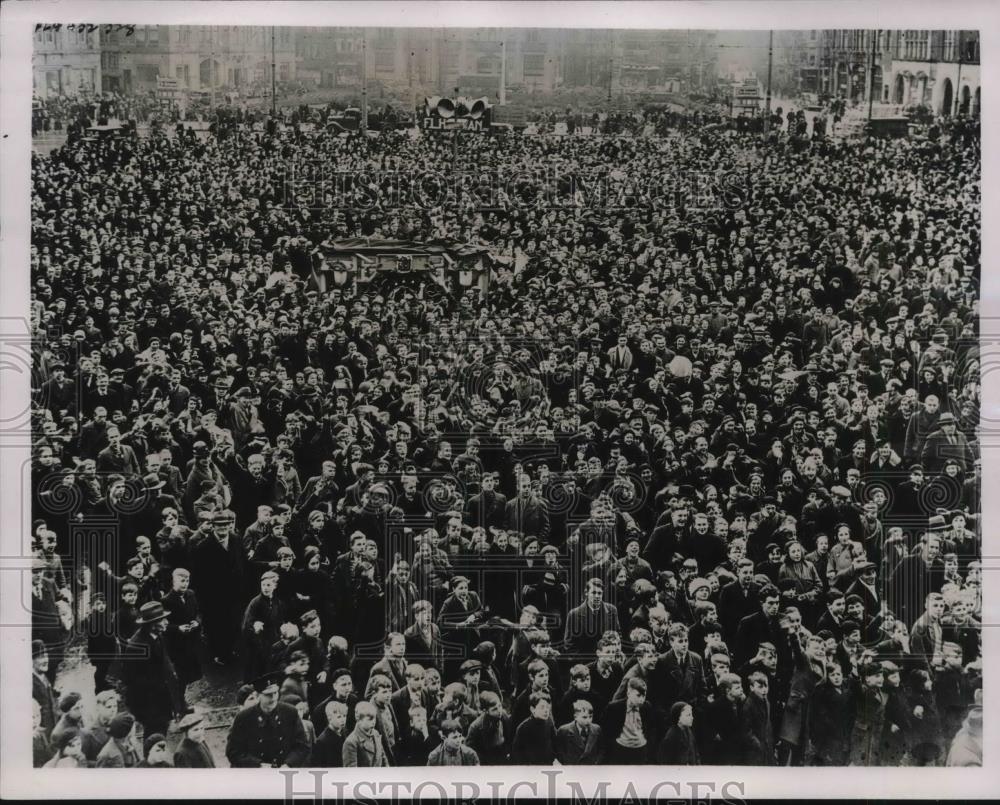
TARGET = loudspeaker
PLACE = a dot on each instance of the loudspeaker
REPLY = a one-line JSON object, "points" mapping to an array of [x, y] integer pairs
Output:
{"points": [[478, 108], [446, 108]]}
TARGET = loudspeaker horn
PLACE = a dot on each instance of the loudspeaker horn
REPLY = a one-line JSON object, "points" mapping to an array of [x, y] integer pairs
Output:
{"points": [[478, 108], [446, 107]]}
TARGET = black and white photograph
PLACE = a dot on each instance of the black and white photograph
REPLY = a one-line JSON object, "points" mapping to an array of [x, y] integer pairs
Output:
{"points": [[426, 394]]}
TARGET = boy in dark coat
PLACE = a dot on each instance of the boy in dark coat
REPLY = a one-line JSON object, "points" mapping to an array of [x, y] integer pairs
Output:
{"points": [[261, 620], [579, 742], [630, 726], [183, 629], [534, 739], [723, 716], [417, 742], [491, 733], [897, 717], [952, 691], [925, 737], [869, 721], [328, 750], [102, 647], [831, 717], [452, 750], [756, 729]]}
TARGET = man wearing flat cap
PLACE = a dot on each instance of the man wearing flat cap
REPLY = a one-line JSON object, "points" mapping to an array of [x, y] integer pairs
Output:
{"points": [[71, 718], [270, 734], [192, 752], [217, 576]]}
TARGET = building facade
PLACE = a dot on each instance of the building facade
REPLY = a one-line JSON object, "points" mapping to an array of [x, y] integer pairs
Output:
{"points": [[332, 57], [437, 61], [199, 57], [66, 61], [797, 63], [936, 69], [650, 60]]}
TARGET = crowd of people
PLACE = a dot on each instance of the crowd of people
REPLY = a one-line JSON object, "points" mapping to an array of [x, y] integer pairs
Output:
{"points": [[688, 483]]}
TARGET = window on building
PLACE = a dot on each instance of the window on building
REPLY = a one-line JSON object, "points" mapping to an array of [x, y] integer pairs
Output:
{"points": [[385, 59], [284, 71], [970, 49], [534, 65], [154, 34], [148, 72]]}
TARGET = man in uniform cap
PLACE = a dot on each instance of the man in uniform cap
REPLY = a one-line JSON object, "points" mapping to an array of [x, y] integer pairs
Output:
{"points": [[269, 734]]}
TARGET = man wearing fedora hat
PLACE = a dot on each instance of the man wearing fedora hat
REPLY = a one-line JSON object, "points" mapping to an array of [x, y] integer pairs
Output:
{"points": [[151, 688], [946, 443], [149, 518]]}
